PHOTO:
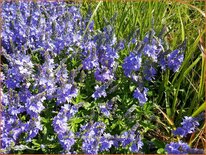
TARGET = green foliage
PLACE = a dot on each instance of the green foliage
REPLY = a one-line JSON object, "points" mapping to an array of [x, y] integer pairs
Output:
{"points": [[175, 94]]}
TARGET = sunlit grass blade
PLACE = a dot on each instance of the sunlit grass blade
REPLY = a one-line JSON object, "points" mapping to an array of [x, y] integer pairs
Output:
{"points": [[93, 14], [199, 110], [178, 83]]}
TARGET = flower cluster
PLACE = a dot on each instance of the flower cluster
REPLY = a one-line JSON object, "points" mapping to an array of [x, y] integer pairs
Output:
{"points": [[44, 26], [66, 137], [141, 96], [46, 46], [92, 137], [133, 139], [13, 126], [141, 62], [181, 148], [189, 125], [95, 139], [100, 55], [33, 36]]}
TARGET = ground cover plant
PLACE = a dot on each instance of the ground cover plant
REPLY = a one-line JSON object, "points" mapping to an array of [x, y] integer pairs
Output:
{"points": [[102, 77]]}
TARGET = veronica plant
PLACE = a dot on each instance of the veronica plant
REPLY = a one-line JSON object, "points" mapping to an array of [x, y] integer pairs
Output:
{"points": [[67, 88]]}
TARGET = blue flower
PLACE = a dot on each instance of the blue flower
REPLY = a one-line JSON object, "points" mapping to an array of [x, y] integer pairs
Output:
{"points": [[181, 148], [104, 110], [66, 93], [99, 92], [132, 63], [152, 47], [67, 140], [136, 146], [34, 108], [189, 125], [177, 148], [72, 111], [149, 71], [24, 94], [131, 138], [103, 74], [60, 123], [175, 59], [34, 126], [121, 45], [14, 79], [141, 95], [91, 138], [7, 143], [106, 142], [66, 137], [151, 51], [127, 138], [90, 62]]}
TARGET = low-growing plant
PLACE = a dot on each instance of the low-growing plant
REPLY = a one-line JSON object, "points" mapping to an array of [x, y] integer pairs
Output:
{"points": [[74, 82]]}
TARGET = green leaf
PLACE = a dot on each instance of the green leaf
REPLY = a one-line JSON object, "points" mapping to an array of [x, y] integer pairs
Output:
{"points": [[161, 151], [90, 20], [132, 88], [199, 110], [22, 147], [74, 62], [51, 146], [44, 120], [73, 123], [76, 120], [87, 105], [44, 130], [35, 143]]}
